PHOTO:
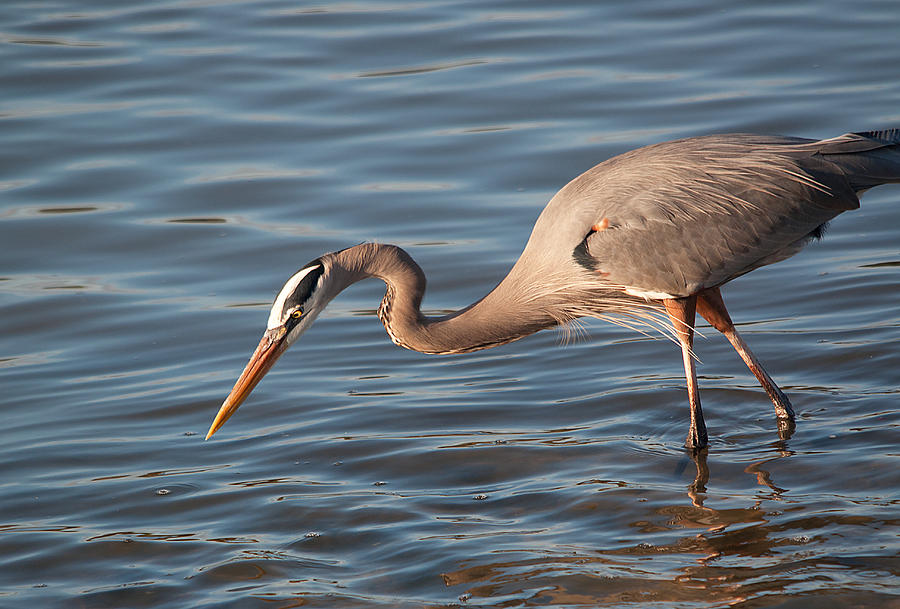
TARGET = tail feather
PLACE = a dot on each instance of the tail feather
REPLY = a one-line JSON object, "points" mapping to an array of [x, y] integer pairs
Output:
{"points": [[887, 137], [868, 158]]}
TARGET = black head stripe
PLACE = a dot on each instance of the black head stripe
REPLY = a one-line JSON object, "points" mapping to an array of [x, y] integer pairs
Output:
{"points": [[306, 286]]}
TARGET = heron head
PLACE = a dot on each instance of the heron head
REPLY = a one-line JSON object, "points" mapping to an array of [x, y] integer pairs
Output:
{"points": [[297, 305]]}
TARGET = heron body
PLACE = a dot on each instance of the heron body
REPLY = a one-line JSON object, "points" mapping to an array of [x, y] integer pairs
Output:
{"points": [[644, 238]]}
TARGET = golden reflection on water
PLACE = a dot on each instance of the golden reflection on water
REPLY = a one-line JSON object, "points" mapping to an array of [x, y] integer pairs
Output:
{"points": [[732, 555]]}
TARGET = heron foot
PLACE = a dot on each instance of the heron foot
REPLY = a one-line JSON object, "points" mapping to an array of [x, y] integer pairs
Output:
{"points": [[786, 426], [784, 413], [783, 409], [697, 438]]}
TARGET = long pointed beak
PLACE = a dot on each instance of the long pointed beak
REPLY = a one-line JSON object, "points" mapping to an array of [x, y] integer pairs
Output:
{"points": [[270, 348]]}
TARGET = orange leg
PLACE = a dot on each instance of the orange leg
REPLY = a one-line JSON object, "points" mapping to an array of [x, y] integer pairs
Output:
{"points": [[711, 306], [682, 311]]}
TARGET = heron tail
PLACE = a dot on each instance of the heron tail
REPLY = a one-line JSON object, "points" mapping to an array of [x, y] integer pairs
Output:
{"points": [[868, 159]]}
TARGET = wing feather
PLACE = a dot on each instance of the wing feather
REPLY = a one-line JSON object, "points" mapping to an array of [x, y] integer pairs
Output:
{"points": [[696, 213]]}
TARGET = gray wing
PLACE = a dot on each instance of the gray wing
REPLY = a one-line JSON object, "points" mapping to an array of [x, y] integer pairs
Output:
{"points": [[692, 214]]}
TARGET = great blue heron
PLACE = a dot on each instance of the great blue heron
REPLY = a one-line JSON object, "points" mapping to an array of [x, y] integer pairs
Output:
{"points": [[646, 237]]}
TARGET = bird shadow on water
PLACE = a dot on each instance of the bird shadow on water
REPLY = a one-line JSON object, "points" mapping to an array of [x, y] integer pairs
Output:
{"points": [[707, 555], [697, 491]]}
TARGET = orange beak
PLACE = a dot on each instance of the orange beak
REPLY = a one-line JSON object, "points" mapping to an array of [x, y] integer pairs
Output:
{"points": [[268, 351]]}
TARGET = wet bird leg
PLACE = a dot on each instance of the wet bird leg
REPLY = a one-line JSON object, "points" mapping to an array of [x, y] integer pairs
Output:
{"points": [[682, 311], [711, 306]]}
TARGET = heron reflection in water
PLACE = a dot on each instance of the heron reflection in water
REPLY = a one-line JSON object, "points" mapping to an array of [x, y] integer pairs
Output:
{"points": [[646, 238]]}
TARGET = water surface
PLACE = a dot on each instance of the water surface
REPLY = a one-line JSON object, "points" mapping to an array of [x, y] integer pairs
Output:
{"points": [[167, 165]]}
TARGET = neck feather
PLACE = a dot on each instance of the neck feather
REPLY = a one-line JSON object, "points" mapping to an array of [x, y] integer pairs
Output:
{"points": [[507, 313]]}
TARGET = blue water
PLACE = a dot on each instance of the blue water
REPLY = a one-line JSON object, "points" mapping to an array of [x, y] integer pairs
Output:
{"points": [[166, 166]]}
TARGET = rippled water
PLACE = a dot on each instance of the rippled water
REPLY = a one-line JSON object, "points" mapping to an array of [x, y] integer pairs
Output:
{"points": [[167, 165]]}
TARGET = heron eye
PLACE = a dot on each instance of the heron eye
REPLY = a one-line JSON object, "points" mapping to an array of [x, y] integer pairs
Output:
{"points": [[297, 314]]}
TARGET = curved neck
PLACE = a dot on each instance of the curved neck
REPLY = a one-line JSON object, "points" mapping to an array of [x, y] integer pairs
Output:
{"points": [[504, 315]]}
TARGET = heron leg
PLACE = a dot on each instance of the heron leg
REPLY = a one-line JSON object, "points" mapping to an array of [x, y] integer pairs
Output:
{"points": [[711, 306], [682, 312]]}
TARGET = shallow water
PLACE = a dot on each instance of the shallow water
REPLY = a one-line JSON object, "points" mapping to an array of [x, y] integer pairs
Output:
{"points": [[167, 165]]}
